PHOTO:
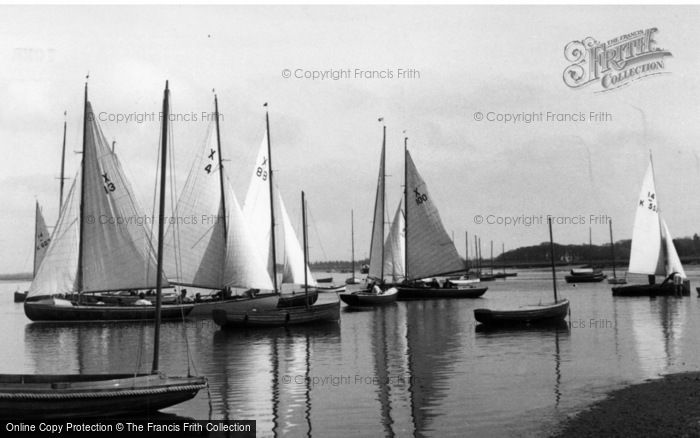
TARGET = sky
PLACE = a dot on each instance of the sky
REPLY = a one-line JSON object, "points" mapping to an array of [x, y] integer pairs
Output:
{"points": [[325, 135]]}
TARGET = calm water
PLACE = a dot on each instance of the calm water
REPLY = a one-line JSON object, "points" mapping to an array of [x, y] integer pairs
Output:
{"points": [[413, 369]]}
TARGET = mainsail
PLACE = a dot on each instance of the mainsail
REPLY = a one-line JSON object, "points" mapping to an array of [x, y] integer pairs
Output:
{"points": [[111, 239], [646, 255], [293, 253], [42, 238], [256, 207], [429, 249], [200, 251], [376, 251], [394, 248]]}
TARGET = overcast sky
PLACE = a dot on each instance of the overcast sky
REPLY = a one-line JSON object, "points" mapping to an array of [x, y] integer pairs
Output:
{"points": [[325, 135]]}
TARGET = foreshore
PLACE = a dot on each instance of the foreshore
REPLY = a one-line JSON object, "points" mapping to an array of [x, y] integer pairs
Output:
{"points": [[667, 407]]}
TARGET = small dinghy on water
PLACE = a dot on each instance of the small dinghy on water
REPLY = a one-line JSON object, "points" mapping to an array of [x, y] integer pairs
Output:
{"points": [[653, 252], [42, 238], [586, 275], [430, 252], [548, 313], [378, 294], [327, 311], [94, 247], [54, 396]]}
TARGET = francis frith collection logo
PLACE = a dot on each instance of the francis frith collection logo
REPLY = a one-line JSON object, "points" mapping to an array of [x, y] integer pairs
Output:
{"points": [[615, 63]]}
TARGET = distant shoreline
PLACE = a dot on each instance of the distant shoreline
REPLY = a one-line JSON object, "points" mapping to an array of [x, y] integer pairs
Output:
{"points": [[22, 276], [667, 407]]}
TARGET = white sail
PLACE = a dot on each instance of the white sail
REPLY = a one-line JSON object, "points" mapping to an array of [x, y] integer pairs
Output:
{"points": [[256, 207], [394, 248], [673, 262], [646, 254], [42, 238], [195, 248], [293, 252], [57, 273], [117, 252], [244, 267], [376, 251], [430, 251]]}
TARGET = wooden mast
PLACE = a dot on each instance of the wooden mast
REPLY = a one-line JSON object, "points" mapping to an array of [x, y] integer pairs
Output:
{"points": [[272, 203], [63, 164], [306, 253], [383, 161], [405, 197], [551, 252], [612, 249], [221, 179], [466, 252], [79, 275], [352, 243], [161, 220]]}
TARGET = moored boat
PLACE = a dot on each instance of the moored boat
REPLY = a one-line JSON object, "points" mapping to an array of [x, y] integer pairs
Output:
{"points": [[370, 299], [585, 275], [653, 252]]}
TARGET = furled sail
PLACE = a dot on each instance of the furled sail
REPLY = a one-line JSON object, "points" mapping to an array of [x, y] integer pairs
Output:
{"points": [[376, 251], [394, 249], [646, 256], [42, 238], [57, 273], [256, 206], [293, 252], [430, 251], [117, 252], [673, 262]]}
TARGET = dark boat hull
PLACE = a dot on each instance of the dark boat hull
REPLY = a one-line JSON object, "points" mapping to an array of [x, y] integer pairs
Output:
{"points": [[20, 296], [239, 304], [525, 315], [617, 281], [46, 396], [40, 311], [650, 290], [288, 316], [426, 293], [368, 299], [324, 280], [592, 278], [296, 299]]}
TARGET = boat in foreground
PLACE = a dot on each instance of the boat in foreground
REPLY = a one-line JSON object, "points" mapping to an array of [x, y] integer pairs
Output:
{"points": [[326, 312], [56, 309], [48, 396], [369, 299], [529, 314], [666, 288]]}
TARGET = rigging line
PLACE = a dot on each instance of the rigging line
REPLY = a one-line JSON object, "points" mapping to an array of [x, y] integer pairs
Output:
{"points": [[318, 236]]}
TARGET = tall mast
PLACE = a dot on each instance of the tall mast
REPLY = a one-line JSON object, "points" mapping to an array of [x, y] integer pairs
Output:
{"points": [[306, 253], [612, 249], [221, 178], [405, 201], [36, 220], [590, 247], [503, 259], [551, 252], [161, 220], [63, 163], [492, 257], [383, 160], [476, 258], [352, 243], [272, 203], [79, 275], [466, 251]]}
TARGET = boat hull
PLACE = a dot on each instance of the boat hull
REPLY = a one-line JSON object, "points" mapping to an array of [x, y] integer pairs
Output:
{"points": [[48, 396], [20, 296], [281, 317], [42, 311], [617, 281], [242, 304], [296, 299], [585, 278], [524, 315], [369, 299], [650, 290], [426, 293]]}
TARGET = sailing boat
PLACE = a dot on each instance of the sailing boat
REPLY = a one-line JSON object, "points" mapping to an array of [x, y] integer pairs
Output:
{"points": [[259, 210], [653, 252], [285, 316], [216, 252], [97, 245], [586, 275], [375, 295], [48, 396], [42, 238], [429, 250], [532, 314], [615, 279], [352, 279]]}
